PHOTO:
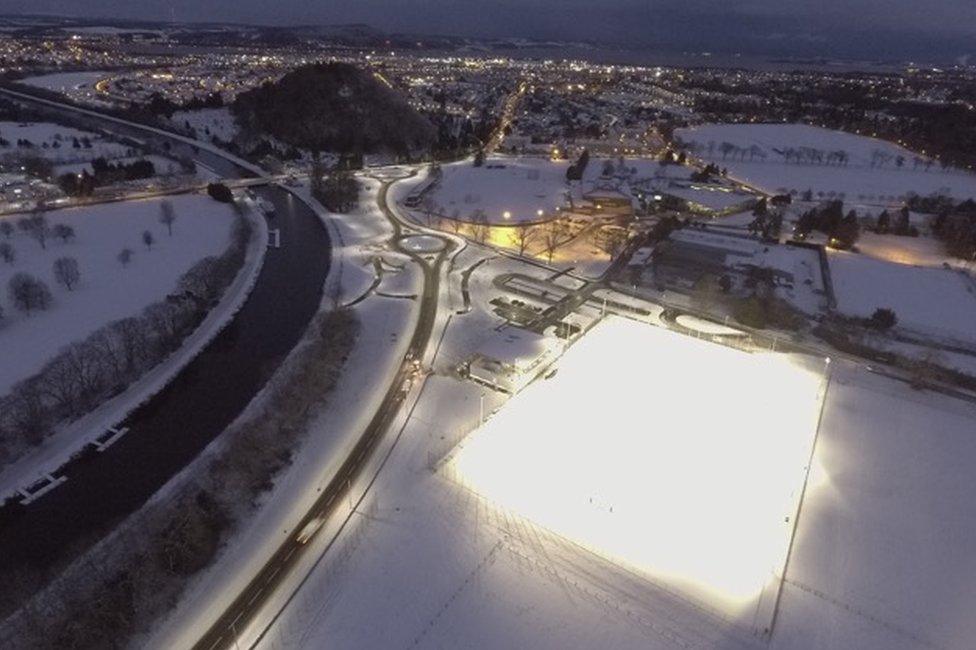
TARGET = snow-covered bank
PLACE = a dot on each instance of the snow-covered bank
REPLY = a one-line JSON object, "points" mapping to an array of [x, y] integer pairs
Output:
{"points": [[107, 290], [58, 449]]}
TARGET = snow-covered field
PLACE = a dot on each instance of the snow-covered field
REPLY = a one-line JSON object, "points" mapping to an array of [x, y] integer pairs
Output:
{"points": [[207, 122], [698, 500], [934, 300], [916, 251], [107, 291], [881, 558], [522, 186], [883, 555], [41, 133], [856, 180], [65, 81]]}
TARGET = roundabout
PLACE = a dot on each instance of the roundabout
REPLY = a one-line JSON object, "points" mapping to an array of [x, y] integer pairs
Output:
{"points": [[422, 244]]}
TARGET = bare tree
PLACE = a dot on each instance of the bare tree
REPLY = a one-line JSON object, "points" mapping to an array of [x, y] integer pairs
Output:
{"points": [[36, 227], [166, 321], [125, 256], [134, 340], [611, 240], [555, 234], [28, 293], [7, 252], [430, 209], [167, 216], [203, 279], [480, 229], [64, 231], [148, 239], [456, 223], [66, 272], [522, 235]]}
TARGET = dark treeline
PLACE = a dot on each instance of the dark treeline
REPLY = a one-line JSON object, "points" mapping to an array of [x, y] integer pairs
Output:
{"points": [[334, 107], [337, 190], [104, 173], [829, 218]]}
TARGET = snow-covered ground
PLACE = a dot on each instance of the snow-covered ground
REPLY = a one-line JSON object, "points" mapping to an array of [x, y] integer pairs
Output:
{"points": [[933, 300], [66, 81], [855, 180], [207, 122], [107, 291], [628, 494], [521, 186], [914, 251], [881, 558], [883, 553], [41, 133]]}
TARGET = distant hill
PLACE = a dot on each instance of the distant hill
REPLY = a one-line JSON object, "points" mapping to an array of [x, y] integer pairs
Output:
{"points": [[334, 107]]}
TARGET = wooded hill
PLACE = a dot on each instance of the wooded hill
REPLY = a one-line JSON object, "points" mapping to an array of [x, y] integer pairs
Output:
{"points": [[334, 107]]}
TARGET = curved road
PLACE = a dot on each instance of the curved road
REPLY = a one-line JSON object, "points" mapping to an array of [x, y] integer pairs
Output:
{"points": [[172, 428], [223, 633]]}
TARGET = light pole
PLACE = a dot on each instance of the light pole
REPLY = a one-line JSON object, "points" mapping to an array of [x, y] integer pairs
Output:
{"points": [[481, 421]]}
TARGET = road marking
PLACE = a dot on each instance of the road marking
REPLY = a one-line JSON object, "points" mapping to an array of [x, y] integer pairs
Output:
{"points": [[289, 554], [254, 596], [273, 574], [216, 643], [237, 618]]}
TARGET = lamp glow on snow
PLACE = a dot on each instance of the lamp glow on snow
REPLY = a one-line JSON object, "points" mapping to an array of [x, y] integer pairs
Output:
{"points": [[678, 458]]}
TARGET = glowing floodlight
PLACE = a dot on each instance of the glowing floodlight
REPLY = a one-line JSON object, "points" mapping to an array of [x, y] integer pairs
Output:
{"points": [[677, 457]]}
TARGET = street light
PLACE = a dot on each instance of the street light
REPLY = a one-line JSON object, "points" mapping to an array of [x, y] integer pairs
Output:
{"points": [[539, 212], [507, 215]]}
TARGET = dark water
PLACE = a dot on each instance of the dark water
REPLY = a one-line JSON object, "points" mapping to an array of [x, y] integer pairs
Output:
{"points": [[652, 58]]}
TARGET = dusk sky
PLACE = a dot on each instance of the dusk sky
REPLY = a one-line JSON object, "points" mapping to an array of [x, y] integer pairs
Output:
{"points": [[878, 28]]}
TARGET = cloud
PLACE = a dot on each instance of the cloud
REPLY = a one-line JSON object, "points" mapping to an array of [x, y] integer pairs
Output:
{"points": [[835, 27]]}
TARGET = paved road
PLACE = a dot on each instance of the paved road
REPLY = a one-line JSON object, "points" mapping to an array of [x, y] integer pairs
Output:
{"points": [[171, 429], [508, 114], [250, 601]]}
